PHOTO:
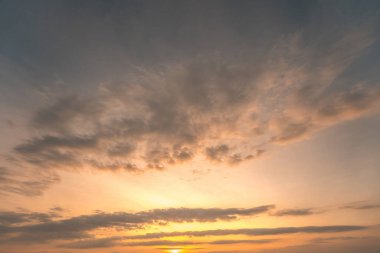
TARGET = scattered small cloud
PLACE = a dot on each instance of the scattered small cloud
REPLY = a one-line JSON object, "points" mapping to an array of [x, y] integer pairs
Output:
{"points": [[295, 212]]}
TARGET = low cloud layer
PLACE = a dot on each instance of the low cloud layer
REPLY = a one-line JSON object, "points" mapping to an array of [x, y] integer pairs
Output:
{"points": [[120, 240], [41, 227], [16, 218], [117, 241], [254, 231], [34, 227]]}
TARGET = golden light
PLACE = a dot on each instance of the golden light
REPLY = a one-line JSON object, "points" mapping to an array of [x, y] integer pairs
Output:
{"points": [[175, 251]]}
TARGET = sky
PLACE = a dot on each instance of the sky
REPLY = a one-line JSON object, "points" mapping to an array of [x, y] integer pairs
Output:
{"points": [[189, 126]]}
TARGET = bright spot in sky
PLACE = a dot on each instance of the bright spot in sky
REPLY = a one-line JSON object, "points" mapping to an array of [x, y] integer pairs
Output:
{"points": [[175, 251]]}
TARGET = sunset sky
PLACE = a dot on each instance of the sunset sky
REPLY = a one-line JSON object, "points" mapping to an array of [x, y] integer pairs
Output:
{"points": [[189, 126]]}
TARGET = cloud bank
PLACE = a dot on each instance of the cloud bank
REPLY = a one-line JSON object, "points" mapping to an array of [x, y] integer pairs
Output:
{"points": [[209, 109], [216, 108]]}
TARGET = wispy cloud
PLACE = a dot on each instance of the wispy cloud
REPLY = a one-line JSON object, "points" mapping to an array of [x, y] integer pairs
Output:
{"points": [[120, 240], [361, 205], [30, 182], [254, 231], [296, 212], [40, 227]]}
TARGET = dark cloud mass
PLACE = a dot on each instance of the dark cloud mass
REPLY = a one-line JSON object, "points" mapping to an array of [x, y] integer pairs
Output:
{"points": [[184, 243], [159, 121], [205, 215], [155, 123], [13, 218], [142, 111], [92, 243], [118, 240], [33, 227], [40, 227]]}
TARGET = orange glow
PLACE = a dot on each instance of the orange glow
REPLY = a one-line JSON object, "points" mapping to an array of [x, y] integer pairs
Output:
{"points": [[175, 251]]}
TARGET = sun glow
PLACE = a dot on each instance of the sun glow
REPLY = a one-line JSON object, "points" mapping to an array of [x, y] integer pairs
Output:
{"points": [[175, 251]]}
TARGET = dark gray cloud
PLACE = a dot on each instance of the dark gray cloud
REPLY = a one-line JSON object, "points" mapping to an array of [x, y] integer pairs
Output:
{"points": [[117, 241], [53, 151], [44, 227], [38, 145], [362, 205], [295, 212], [263, 241], [60, 116], [15, 218], [184, 243], [328, 110], [120, 240], [254, 232], [57, 209], [162, 243], [93, 243], [204, 215], [370, 244], [153, 123], [319, 240], [217, 153], [35, 228], [28, 183]]}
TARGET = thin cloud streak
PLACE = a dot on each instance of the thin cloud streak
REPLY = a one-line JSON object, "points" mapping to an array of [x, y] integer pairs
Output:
{"points": [[39, 227], [296, 212], [119, 240], [254, 231]]}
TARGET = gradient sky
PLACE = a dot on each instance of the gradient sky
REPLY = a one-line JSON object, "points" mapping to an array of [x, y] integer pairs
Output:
{"points": [[189, 126]]}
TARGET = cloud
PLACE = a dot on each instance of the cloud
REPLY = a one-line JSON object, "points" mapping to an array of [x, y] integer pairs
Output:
{"points": [[254, 231], [32, 227], [92, 243], [67, 113], [50, 142], [16, 218], [57, 209], [204, 215], [263, 241], [331, 109], [362, 205], [295, 212], [162, 243], [29, 183], [37, 227], [333, 239], [224, 110], [120, 240], [53, 151], [184, 243]]}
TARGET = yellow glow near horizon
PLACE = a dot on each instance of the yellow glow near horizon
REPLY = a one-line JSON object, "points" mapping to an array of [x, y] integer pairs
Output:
{"points": [[175, 251]]}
